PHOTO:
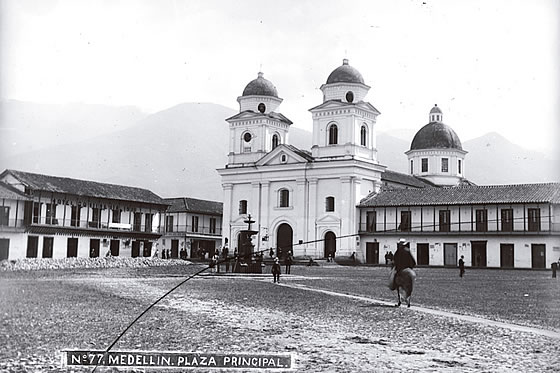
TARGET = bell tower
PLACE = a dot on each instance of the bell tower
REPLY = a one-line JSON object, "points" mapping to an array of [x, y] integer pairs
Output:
{"points": [[344, 124], [257, 128]]}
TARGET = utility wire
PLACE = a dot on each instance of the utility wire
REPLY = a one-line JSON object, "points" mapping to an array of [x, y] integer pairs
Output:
{"points": [[249, 255]]}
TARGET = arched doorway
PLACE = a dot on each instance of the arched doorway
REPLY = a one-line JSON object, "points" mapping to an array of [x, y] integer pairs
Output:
{"points": [[284, 240], [330, 244]]}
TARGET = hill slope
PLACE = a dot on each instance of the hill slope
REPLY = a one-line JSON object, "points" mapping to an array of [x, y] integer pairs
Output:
{"points": [[176, 152]]}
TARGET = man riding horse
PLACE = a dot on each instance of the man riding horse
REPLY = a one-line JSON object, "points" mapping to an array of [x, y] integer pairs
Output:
{"points": [[403, 262]]}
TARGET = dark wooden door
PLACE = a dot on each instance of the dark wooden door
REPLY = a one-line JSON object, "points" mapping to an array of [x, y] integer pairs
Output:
{"points": [[72, 248], [135, 249], [538, 256], [506, 255], [32, 246], [147, 248], [285, 240], [478, 253], [115, 247], [450, 254], [174, 248], [94, 248], [423, 254], [4, 248], [372, 253], [330, 244], [48, 243]]}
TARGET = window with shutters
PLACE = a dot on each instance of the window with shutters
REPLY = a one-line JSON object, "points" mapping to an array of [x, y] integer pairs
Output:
{"points": [[242, 207], [284, 198], [329, 204]]}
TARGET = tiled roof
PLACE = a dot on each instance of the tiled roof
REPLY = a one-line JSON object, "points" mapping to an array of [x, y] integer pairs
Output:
{"points": [[9, 192], [84, 188], [463, 195], [304, 153], [404, 179], [184, 204]]}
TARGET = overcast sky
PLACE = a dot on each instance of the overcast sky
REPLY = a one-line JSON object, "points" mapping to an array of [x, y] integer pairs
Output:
{"points": [[490, 65]]}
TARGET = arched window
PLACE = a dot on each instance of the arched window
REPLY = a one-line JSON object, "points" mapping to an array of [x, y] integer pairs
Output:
{"points": [[363, 136], [284, 198], [246, 144], [333, 134], [242, 207], [275, 141], [329, 204]]}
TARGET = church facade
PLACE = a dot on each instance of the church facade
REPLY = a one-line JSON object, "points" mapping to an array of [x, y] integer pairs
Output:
{"points": [[304, 201], [338, 200]]}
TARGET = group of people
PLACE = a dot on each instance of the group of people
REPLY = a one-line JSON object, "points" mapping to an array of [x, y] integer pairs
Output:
{"points": [[167, 254], [389, 257]]}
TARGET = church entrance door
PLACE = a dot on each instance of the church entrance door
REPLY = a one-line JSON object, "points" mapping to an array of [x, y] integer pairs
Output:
{"points": [[330, 244], [284, 240]]}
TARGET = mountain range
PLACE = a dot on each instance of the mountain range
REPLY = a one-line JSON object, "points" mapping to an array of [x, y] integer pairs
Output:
{"points": [[175, 152]]}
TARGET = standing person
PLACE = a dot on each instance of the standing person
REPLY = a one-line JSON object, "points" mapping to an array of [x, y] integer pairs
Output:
{"points": [[288, 261], [276, 270], [271, 253], [216, 261], [156, 254], [461, 266], [225, 257], [391, 257], [163, 253]]}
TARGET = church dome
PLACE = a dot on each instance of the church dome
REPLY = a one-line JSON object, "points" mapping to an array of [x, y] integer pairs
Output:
{"points": [[260, 87], [345, 74], [436, 135]]}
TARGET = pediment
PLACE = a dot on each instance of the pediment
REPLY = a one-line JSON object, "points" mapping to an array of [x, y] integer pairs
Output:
{"points": [[334, 104], [328, 219], [248, 114], [282, 154], [331, 104]]}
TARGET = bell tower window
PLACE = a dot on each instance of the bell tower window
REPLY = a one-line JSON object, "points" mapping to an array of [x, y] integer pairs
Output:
{"points": [[247, 137], [349, 96], [261, 107], [333, 135], [275, 141], [363, 136]]}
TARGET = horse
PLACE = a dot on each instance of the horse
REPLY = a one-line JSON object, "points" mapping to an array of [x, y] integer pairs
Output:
{"points": [[404, 280]]}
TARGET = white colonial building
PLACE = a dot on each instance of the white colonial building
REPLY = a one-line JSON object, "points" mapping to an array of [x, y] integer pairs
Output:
{"points": [[508, 226], [193, 225], [337, 198], [45, 216], [301, 200]]}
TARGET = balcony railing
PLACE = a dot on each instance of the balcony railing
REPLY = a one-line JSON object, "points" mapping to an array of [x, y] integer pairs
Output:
{"points": [[11, 225], [181, 230], [97, 225], [389, 228]]}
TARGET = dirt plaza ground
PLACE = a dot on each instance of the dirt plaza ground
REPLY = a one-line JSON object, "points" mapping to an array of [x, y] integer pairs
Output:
{"points": [[331, 318]]}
